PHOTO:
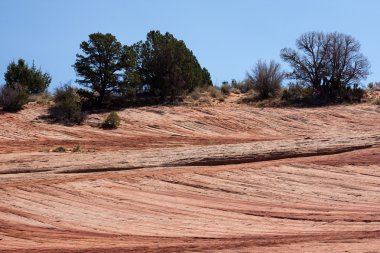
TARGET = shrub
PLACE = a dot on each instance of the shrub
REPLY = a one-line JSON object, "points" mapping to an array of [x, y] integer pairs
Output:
{"points": [[243, 87], [214, 92], [266, 79], [226, 89], [41, 99], [68, 108], [297, 93], [112, 121], [33, 80], [303, 94], [376, 101], [59, 150], [205, 100], [249, 98], [196, 93], [76, 148], [254, 99], [355, 94], [12, 98], [374, 86]]}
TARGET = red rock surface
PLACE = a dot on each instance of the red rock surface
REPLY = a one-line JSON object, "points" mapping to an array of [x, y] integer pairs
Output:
{"points": [[191, 179]]}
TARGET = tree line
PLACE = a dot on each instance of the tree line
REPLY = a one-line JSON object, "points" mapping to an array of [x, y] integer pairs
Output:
{"points": [[161, 66], [325, 68]]}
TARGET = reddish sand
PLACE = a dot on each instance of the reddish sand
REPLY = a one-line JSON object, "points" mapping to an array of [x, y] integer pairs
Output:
{"points": [[193, 179]]}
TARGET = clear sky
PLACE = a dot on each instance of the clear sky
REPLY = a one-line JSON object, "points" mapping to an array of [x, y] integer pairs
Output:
{"points": [[227, 36]]}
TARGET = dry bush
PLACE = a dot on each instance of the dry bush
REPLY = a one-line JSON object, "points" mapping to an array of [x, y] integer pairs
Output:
{"points": [[205, 100], [376, 101], [41, 99], [235, 91], [206, 95], [266, 79], [214, 92], [249, 98], [59, 150], [76, 148], [241, 87], [226, 89], [68, 107], [196, 94], [12, 98], [112, 121]]}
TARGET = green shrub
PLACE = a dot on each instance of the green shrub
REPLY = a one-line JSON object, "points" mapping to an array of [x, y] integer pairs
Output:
{"points": [[356, 94], [68, 108], [33, 80], [302, 94], [12, 98], [297, 94], [112, 121]]}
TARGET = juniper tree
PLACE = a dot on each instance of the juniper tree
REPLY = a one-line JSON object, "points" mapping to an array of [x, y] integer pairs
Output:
{"points": [[31, 79], [168, 66], [100, 64]]}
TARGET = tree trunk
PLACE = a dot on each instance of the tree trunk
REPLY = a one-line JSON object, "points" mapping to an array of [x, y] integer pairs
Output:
{"points": [[101, 95]]}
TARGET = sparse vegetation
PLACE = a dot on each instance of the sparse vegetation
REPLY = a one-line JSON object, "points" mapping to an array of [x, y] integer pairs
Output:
{"points": [[41, 99], [112, 121], [374, 86], [297, 94], [12, 98], [214, 92], [226, 89], [325, 68], [76, 148], [67, 108], [266, 79], [59, 150], [376, 101], [241, 87], [195, 94]]}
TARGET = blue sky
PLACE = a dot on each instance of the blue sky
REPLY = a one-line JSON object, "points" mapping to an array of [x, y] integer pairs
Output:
{"points": [[227, 36]]}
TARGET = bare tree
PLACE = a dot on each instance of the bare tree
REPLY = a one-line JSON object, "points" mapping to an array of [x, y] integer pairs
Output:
{"points": [[374, 86], [329, 63], [346, 64], [309, 63], [266, 78]]}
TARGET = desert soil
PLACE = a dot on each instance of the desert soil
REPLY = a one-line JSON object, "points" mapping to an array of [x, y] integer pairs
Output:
{"points": [[229, 178]]}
